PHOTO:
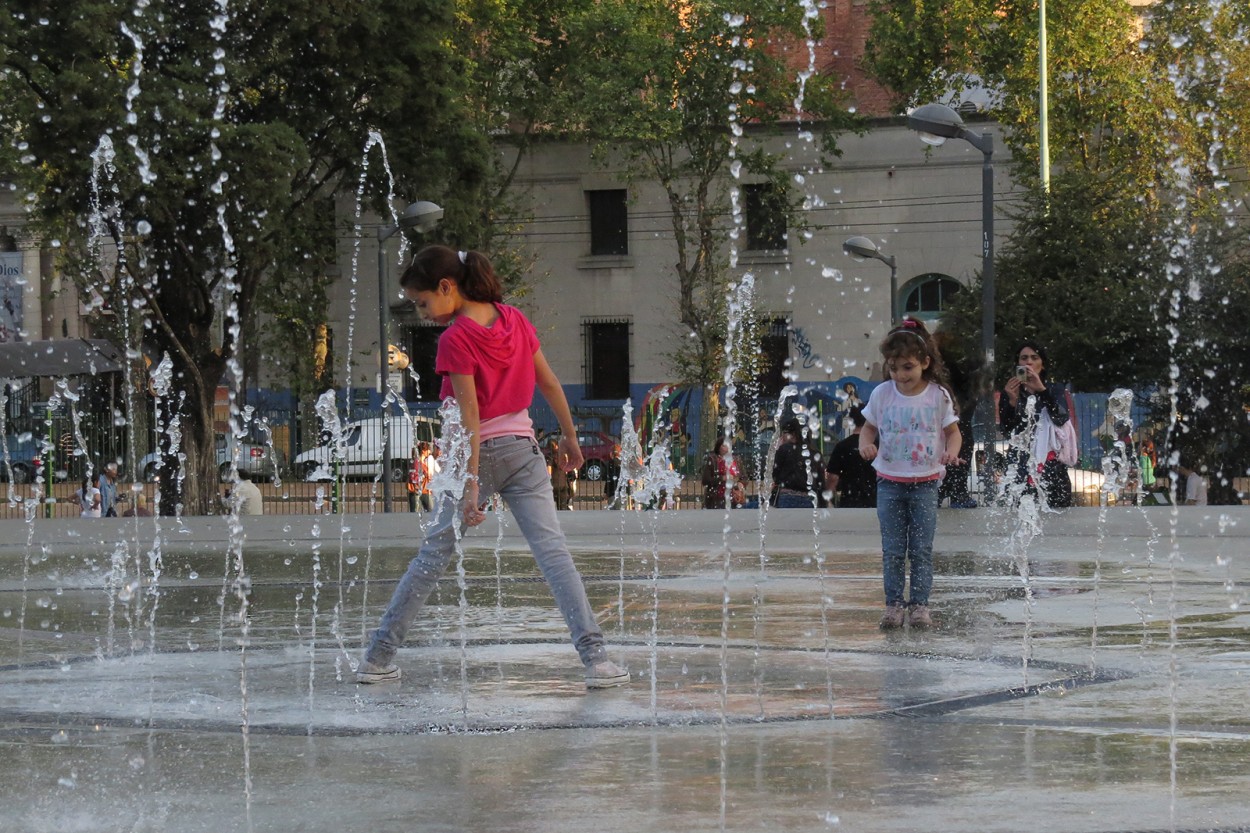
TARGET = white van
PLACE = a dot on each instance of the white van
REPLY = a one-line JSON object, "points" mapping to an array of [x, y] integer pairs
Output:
{"points": [[362, 450]]}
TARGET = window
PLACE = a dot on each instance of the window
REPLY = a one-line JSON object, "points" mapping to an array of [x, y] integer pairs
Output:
{"points": [[766, 217], [422, 347], [607, 358], [774, 356], [609, 222], [930, 295]]}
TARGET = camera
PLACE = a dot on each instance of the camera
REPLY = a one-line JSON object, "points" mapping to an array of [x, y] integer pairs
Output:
{"points": [[1022, 373]]}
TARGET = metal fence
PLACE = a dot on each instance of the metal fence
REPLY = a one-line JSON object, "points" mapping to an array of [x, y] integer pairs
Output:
{"points": [[58, 445]]}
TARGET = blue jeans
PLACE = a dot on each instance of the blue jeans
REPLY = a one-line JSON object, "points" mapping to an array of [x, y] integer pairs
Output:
{"points": [[907, 513], [515, 468], [793, 500]]}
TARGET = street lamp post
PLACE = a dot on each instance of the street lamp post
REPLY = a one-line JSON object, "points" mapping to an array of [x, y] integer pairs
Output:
{"points": [[421, 216], [936, 123], [862, 248]]}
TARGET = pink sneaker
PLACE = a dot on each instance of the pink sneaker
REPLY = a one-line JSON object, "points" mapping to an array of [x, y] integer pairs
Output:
{"points": [[893, 617]]}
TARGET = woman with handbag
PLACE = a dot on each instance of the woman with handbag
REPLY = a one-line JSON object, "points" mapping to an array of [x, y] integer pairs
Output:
{"points": [[1031, 413]]}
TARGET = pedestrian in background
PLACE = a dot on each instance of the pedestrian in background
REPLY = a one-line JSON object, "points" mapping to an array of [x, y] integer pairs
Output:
{"points": [[1029, 434], [107, 484], [1195, 492], [848, 474]]}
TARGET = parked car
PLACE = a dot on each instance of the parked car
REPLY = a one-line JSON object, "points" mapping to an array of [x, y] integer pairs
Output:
{"points": [[23, 458], [362, 450], [259, 460], [598, 449]]}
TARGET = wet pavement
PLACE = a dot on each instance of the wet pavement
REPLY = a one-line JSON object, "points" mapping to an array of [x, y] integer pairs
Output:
{"points": [[1092, 679]]}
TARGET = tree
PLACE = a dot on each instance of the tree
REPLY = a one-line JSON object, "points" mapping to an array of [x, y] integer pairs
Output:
{"points": [[1132, 267], [683, 93], [1104, 94], [1204, 52], [1082, 274], [223, 129]]}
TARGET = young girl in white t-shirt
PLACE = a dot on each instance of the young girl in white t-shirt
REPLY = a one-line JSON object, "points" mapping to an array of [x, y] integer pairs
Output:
{"points": [[910, 434]]}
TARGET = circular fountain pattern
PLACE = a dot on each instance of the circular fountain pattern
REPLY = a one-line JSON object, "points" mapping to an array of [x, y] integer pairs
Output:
{"points": [[506, 687]]}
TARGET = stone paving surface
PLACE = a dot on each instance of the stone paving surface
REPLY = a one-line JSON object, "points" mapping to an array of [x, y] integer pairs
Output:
{"points": [[1092, 679]]}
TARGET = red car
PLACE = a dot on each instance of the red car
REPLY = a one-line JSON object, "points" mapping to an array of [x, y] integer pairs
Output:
{"points": [[598, 449]]}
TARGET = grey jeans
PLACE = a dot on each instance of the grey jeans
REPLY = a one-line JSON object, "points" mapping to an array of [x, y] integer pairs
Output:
{"points": [[515, 468]]}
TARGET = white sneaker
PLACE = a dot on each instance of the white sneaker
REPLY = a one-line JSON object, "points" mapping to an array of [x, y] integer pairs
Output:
{"points": [[367, 673], [606, 674]]}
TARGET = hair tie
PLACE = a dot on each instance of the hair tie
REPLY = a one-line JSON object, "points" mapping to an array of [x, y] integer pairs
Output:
{"points": [[910, 326], [461, 255]]}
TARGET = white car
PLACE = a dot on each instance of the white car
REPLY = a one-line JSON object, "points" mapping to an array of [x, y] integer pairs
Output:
{"points": [[260, 461], [361, 455]]}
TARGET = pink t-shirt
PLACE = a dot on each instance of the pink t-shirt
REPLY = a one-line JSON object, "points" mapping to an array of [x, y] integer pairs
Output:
{"points": [[500, 358]]}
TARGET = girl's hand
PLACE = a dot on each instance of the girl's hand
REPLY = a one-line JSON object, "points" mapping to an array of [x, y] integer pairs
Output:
{"points": [[1034, 382], [949, 458], [474, 512], [868, 452], [569, 453]]}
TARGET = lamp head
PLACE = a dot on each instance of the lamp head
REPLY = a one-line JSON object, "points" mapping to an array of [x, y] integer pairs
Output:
{"points": [[421, 216], [860, 248], [935, 123]]}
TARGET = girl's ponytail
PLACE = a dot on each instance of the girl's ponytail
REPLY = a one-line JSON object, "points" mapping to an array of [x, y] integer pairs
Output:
{"points": [[480, 281], [472, 272]]}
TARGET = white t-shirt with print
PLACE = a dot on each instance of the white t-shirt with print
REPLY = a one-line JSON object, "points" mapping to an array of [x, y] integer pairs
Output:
{"points": [[911, 430]]}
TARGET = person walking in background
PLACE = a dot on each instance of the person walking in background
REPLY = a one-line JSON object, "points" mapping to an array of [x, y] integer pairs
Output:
{"points": [[246, 496], [490, 360], [791, 481], [848, 474], [420, 478], [562, 482], [716, 474], [107, 484], [910, 435], [851, 402], [1195, 486], [956, 484], [414, 479], [1031, 437], [138, 507], [89, 499]]}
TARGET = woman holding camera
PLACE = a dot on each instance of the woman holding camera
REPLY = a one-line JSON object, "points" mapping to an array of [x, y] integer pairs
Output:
{"points": [[1029, 461]]}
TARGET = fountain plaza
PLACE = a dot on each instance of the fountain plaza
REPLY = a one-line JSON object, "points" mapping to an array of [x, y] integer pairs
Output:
{"points": [[1092, 679]]}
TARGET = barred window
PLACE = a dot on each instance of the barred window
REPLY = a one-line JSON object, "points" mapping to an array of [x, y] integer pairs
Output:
{"points": [[774, 355], [608, 357]]}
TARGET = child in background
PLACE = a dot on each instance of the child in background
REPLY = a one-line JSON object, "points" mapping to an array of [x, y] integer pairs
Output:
{"points": [[490, 360], [910, 434]]}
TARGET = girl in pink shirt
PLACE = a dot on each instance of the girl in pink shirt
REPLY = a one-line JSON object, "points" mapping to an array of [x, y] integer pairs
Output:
{"points": [[490, 361]]}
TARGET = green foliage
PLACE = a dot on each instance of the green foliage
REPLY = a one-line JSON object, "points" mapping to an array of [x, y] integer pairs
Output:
{"points": [[227, 126], [1207, 307], [1129, 269], [1104, 94], [1082, 274]]}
